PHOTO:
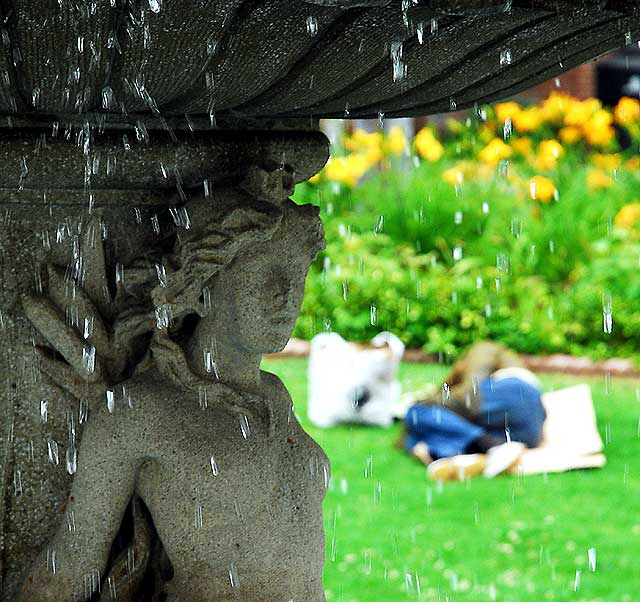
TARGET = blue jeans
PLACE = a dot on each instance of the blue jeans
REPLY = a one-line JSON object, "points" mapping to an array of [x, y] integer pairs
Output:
{"points": [[509, 409]]}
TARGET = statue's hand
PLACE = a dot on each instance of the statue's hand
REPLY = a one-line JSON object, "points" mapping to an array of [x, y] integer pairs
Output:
{"points": [[90, 337], [78, 368]]}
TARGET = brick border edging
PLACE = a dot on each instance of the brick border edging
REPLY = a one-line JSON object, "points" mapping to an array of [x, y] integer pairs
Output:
{"points": [[558, 362]]}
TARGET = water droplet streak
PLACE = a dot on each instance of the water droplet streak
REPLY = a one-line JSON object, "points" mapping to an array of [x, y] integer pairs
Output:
{"points": [[214, 467], [312, 25]]}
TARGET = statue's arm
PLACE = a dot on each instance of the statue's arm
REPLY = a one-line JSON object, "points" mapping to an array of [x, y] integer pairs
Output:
{"points": [[74, 559]]}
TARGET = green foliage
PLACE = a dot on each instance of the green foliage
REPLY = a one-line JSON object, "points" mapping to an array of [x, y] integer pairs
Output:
{"points": [[443, 267]]}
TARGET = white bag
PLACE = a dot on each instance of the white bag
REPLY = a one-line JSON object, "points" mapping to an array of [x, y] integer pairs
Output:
{"points": [[353, 383]]}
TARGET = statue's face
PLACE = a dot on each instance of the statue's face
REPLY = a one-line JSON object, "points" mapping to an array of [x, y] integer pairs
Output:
{"points": [[258, 297]]}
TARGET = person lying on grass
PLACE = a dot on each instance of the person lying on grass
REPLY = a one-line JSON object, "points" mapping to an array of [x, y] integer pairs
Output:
{"points": [[489, 410]]}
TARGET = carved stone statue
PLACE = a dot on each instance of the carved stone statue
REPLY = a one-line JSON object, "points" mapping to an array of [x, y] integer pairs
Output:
{"points": [[203, 441]]}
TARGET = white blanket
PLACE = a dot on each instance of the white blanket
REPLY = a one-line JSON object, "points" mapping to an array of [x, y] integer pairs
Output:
{"points": [[353, 383]]}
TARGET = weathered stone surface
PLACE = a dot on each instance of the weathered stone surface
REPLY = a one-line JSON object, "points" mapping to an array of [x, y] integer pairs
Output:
{"points": [[84, 254], [246, 62]]}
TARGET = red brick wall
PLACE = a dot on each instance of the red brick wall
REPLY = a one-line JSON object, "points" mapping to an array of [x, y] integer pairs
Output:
{"points": [[580, 82]]}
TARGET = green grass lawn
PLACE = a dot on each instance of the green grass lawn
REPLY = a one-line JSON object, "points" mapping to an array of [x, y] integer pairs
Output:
{"points": [[393, 535]]}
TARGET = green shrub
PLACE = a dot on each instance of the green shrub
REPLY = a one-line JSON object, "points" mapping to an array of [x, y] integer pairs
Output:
{"points": [[443, 266]]}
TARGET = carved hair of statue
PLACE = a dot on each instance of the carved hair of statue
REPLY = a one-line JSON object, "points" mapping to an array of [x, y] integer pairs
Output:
{"points": [[201, 256], [158, 297]]}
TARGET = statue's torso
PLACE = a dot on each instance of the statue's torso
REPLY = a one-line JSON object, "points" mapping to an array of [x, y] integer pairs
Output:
{"points": [[255, 527]]}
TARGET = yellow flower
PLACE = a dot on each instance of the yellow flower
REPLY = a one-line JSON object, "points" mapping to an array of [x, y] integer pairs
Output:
{"points": [[427, 145], [607, 161], [548, 153], [314, 179], [570, 134], [346, 170], [579, 112], [395, 142], [528, 120], [541, 189], [522, 146], [453, 176], [597, 130], [507, 110], [367, 144], [598, 180], [361, 140], [495, 151], [628, 216], [627, 110], [555, 106]]}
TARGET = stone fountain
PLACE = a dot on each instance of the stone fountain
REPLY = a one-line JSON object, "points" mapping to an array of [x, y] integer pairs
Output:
{"points": [[149, 256]]}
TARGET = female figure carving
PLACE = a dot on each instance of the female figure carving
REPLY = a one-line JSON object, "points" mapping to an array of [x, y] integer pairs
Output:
{"points": [[205, 439]]}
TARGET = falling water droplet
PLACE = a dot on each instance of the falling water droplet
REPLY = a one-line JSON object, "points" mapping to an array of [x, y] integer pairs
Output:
{"points": [[244, 426], [111, 401], [399, 67], [83, 414], [233, 576], [507, 130], [164, 316], [155, 5], [44, 412], [607, 313], [591, 553], [51, 561], [214, 466], [576, 581], [119, 276], [202, 397], [92, 583], [197, 518], [52, 452], [373, 315], [72, 459], [312, 25], [155, 223], [206, 299], [131, 560], [162, 275], [89, 359], [506, 57], [111, 582], [17, 482], [71, 521]]}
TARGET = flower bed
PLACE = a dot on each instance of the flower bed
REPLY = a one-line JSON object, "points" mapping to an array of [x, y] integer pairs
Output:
{"points": [[520, 224]]}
